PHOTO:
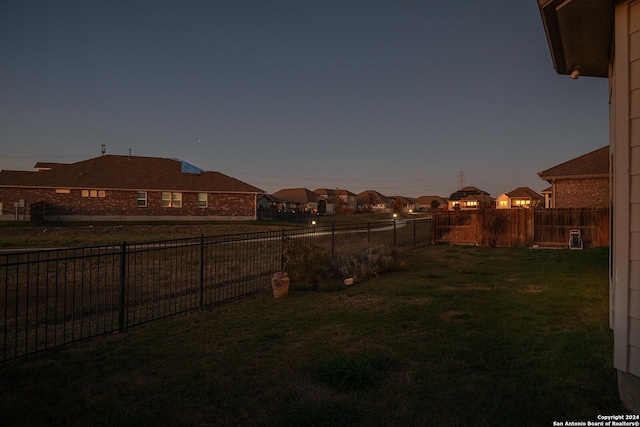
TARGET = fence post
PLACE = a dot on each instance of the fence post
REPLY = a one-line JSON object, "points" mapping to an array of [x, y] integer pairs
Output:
{"points": [[414, 232], [394, 230], [282, 251], [369, 232], [123, 276], [201, 270], [333, 238]]}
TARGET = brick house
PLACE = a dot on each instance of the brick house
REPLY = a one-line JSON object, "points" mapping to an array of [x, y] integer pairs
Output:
{"points": [[469, 198], [582, 182], [125, 188]]}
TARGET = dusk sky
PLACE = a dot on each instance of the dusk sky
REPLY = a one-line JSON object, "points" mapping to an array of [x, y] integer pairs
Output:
{"points": [[395, 96]]}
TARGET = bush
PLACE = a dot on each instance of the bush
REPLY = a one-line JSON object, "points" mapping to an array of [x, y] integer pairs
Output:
{"points": [[364, 263], [307, 262]]}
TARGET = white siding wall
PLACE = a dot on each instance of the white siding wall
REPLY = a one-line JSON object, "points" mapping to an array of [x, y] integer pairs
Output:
{"points": [[634, 195], [625, 146]]}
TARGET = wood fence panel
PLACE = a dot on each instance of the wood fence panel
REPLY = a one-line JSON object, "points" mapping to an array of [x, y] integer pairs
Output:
{"points": [[525, 227]]}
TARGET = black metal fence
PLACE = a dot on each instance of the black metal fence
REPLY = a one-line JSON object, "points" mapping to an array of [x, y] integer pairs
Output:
{"points": [[59, 296]]}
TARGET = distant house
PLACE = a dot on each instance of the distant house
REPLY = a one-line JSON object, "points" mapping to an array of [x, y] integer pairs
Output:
{"points": [[371, 200], [469, 198], [342, 199], [521, 197], [304, 200], [582, 182], [427, 203], [123, 188], [404, 204]]}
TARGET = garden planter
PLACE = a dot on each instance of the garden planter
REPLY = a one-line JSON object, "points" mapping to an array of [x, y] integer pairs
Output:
{"points": [[280, 284]]}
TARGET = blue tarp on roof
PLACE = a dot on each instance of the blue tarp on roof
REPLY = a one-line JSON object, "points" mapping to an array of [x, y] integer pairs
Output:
{"points": [[189, 168]]}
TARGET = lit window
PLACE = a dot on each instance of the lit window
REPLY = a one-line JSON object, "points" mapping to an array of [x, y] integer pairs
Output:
{"points": [[171, 200], [503, 203], [141, 199], [202, 200], [63, 191], [93, 193], [176, 200], [85, 193], [101, 193]]}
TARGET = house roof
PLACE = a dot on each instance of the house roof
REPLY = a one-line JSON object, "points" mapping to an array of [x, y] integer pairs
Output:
{"points": [[333, 192], [126, 172], [298, 195], [523, 193], [591, 165], [427, 200], [464, 192], [368, 196]]}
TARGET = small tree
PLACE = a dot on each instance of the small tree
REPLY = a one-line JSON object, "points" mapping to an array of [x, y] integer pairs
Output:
{"points": [[492, 224], [435, 204]]}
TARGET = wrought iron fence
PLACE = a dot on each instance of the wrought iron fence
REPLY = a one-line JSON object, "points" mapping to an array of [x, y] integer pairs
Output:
{"points": [[59, 296]]}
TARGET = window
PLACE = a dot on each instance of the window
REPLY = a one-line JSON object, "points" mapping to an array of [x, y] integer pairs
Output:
{"points": [[171, 200], [202, 200], [141, 199], [63, 191], [93, 193], [503, 203], [472, 203]]}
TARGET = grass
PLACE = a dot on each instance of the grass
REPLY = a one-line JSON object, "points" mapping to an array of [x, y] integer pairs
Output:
{"points": [[17, 235], [461, 336]]}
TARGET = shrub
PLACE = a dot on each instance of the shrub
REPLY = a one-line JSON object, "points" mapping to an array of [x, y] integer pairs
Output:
{"points": [[364, 263], [307, 262]]}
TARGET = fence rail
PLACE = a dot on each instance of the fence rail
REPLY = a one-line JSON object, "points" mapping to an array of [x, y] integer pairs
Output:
{"points": [[59, 296]]}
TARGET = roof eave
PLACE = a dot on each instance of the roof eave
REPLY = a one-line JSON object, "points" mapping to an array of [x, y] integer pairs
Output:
{"points": [[579, 34]]}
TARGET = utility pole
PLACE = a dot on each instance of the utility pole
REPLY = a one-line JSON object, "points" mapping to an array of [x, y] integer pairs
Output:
{"points": [[461, 178]]}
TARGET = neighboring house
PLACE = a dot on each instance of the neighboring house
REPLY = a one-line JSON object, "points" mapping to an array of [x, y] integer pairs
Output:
{"points": [[427, 203], [371, 200], [343, 199], [582, 182], [601, 38], [122, 188], [521, 197], [303, 200], [469, 198], [267, 201], [404, 204], [548, 201]]}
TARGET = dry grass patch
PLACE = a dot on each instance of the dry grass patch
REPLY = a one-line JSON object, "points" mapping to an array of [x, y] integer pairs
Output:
{"points": [[457, 315]]}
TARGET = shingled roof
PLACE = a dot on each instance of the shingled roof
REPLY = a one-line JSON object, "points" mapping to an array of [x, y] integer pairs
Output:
{"points": [[591, 165], [524, 192], [300, 196], [126, 172]]}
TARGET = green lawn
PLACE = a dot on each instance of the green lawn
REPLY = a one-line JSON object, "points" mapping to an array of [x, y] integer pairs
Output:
{"points": [[461, 336]]}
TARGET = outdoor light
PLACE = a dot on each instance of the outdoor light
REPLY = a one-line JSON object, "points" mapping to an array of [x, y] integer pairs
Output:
{"points": [[575, 74], [313, 222]]}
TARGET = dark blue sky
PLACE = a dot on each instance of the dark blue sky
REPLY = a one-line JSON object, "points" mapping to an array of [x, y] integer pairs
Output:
{"points": [[397, 96]]}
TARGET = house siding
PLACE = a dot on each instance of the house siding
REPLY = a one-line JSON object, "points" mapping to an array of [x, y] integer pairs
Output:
{"points": [[625, 143], [581, 193], [634, 190], [122, 205]]}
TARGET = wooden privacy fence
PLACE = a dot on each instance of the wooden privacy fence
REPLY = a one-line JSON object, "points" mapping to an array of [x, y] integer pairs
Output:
{"points": [[522, 227]]}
